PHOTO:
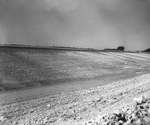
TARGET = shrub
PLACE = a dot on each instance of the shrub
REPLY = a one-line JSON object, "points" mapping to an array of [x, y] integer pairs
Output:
{"points": [[121, 48]]}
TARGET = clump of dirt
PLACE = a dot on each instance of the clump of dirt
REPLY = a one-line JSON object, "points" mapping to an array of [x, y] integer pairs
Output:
{"points": [[139, 115]]}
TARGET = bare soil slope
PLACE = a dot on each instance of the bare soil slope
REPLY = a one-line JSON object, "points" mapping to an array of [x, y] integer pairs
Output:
{"points": [[78, 107], [26, 68], [68, 87]]}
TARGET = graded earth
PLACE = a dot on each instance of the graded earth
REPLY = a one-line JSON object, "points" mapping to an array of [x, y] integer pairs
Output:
{"points": [[47, 87]]}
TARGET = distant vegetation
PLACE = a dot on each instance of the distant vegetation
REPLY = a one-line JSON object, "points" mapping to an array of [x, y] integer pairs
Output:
{"points": [[121, 48], [147, 50], [47, 47]]}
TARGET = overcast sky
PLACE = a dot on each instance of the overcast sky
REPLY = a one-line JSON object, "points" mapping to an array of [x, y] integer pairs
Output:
{"points": [[80, 23]]}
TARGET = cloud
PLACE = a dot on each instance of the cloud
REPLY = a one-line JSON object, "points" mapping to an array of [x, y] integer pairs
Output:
{"points": [[75, 22], [62, 5], [29, 22]]}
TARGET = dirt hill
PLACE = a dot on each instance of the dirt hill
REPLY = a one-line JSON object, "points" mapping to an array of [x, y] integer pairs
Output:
{"points": [[24, 68]]}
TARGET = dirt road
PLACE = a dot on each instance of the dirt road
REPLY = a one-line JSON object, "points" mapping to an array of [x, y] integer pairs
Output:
{"points": [[76, 107]]}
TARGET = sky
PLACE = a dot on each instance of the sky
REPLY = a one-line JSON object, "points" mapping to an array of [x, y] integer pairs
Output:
{"points": [[76, 23]]}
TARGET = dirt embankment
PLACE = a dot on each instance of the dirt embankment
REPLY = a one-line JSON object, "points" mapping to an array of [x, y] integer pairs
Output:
{"points": [[78, 107]]}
